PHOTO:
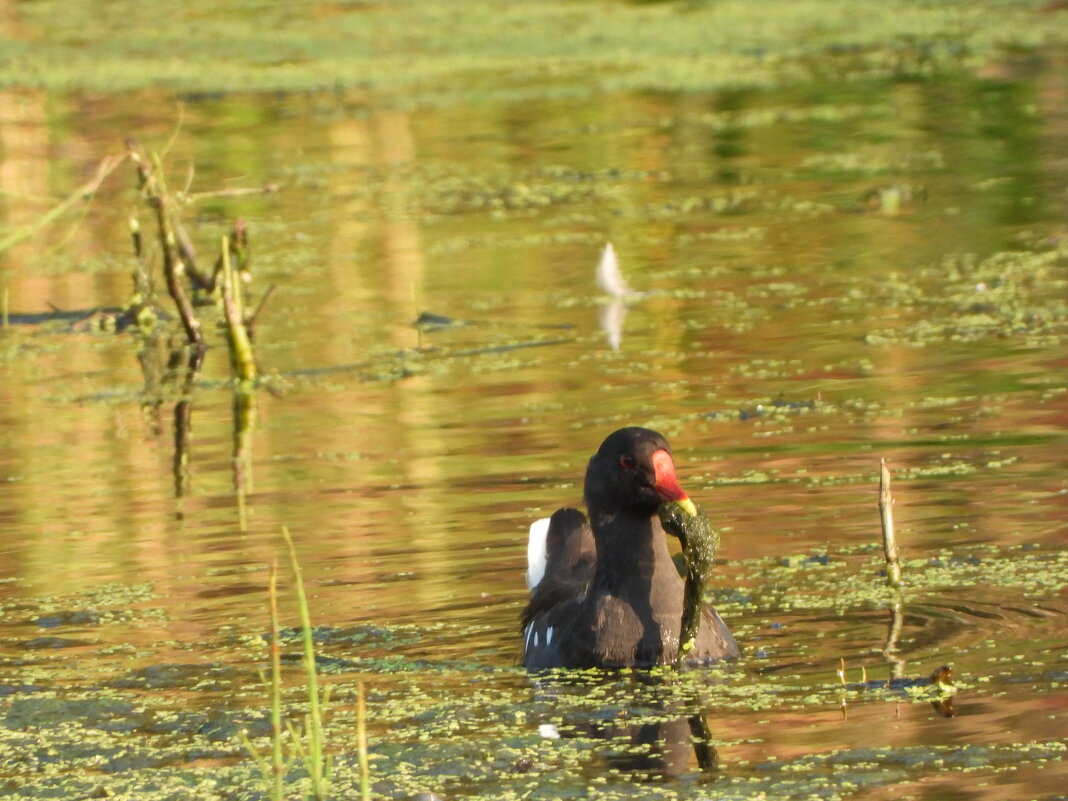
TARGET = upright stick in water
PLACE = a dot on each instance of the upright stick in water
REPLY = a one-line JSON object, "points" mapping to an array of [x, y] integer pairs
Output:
{"points": [[886, 513], [699, 545]]}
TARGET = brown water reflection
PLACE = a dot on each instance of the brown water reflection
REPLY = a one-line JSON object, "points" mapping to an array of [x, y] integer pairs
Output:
{"points": [[785, 341]]}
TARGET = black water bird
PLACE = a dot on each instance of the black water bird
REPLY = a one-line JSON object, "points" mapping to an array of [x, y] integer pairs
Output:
{"points": [[605, 592]]}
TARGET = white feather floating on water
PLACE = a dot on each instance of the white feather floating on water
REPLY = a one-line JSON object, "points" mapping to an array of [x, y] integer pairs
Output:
{"points": [[609, 277]]}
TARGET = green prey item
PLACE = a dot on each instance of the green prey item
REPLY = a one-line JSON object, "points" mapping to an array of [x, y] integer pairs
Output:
{"points": [[699, 545]]}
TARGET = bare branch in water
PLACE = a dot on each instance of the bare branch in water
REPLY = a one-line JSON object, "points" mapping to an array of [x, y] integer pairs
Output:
{"points": [[886, 502]]}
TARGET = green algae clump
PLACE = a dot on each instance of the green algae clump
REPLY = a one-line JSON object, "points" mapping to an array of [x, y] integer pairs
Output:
{"points": [[700, 542]]}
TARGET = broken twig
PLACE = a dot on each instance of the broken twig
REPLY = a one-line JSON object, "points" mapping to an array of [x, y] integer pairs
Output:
{"points": [[244, 362], [150, 180], [886, 502]]}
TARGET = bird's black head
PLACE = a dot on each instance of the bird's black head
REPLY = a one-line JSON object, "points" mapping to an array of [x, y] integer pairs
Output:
{"points": [[632, 472]]}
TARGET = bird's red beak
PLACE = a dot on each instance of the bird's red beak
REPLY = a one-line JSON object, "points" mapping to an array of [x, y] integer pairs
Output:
{"points": [[666, 483]]}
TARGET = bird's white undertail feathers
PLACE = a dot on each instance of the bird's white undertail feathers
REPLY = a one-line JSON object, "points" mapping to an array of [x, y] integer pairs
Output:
{"points": [[537, 553]]}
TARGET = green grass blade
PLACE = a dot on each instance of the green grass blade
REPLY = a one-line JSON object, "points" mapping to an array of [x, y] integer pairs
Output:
{"points": [[277, 756], [315, 761]]}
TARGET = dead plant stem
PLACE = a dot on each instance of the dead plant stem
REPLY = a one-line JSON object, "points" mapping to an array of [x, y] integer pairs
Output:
{"points": [[886, 502]]}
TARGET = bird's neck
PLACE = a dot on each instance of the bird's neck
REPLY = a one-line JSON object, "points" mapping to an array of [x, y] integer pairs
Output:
{"points": [[632, 555]]}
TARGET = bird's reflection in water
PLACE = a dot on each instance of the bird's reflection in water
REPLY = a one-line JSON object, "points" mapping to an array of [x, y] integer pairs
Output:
{"points": [[651, 725]]}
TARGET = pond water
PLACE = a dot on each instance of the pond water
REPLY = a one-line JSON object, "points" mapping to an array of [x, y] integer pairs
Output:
{"points": [[827, 276]]}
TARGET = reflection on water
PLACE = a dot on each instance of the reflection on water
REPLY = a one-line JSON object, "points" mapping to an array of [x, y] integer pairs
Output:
{"points": [[787, 337], [650, 727], [613, 311]]}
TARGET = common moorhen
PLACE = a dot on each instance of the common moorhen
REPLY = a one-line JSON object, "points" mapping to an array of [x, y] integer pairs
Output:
{"points": [[605, 592]]}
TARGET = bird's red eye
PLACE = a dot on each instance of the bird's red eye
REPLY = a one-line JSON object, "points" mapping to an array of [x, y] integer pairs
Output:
{"points": [[627, 462]]}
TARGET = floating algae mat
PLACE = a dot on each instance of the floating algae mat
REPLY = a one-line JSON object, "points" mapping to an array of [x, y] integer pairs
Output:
{"points": [[166, 719]]}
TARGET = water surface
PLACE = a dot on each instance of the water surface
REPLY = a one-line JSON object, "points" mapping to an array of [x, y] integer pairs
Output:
{"points": [[829, 274]]}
